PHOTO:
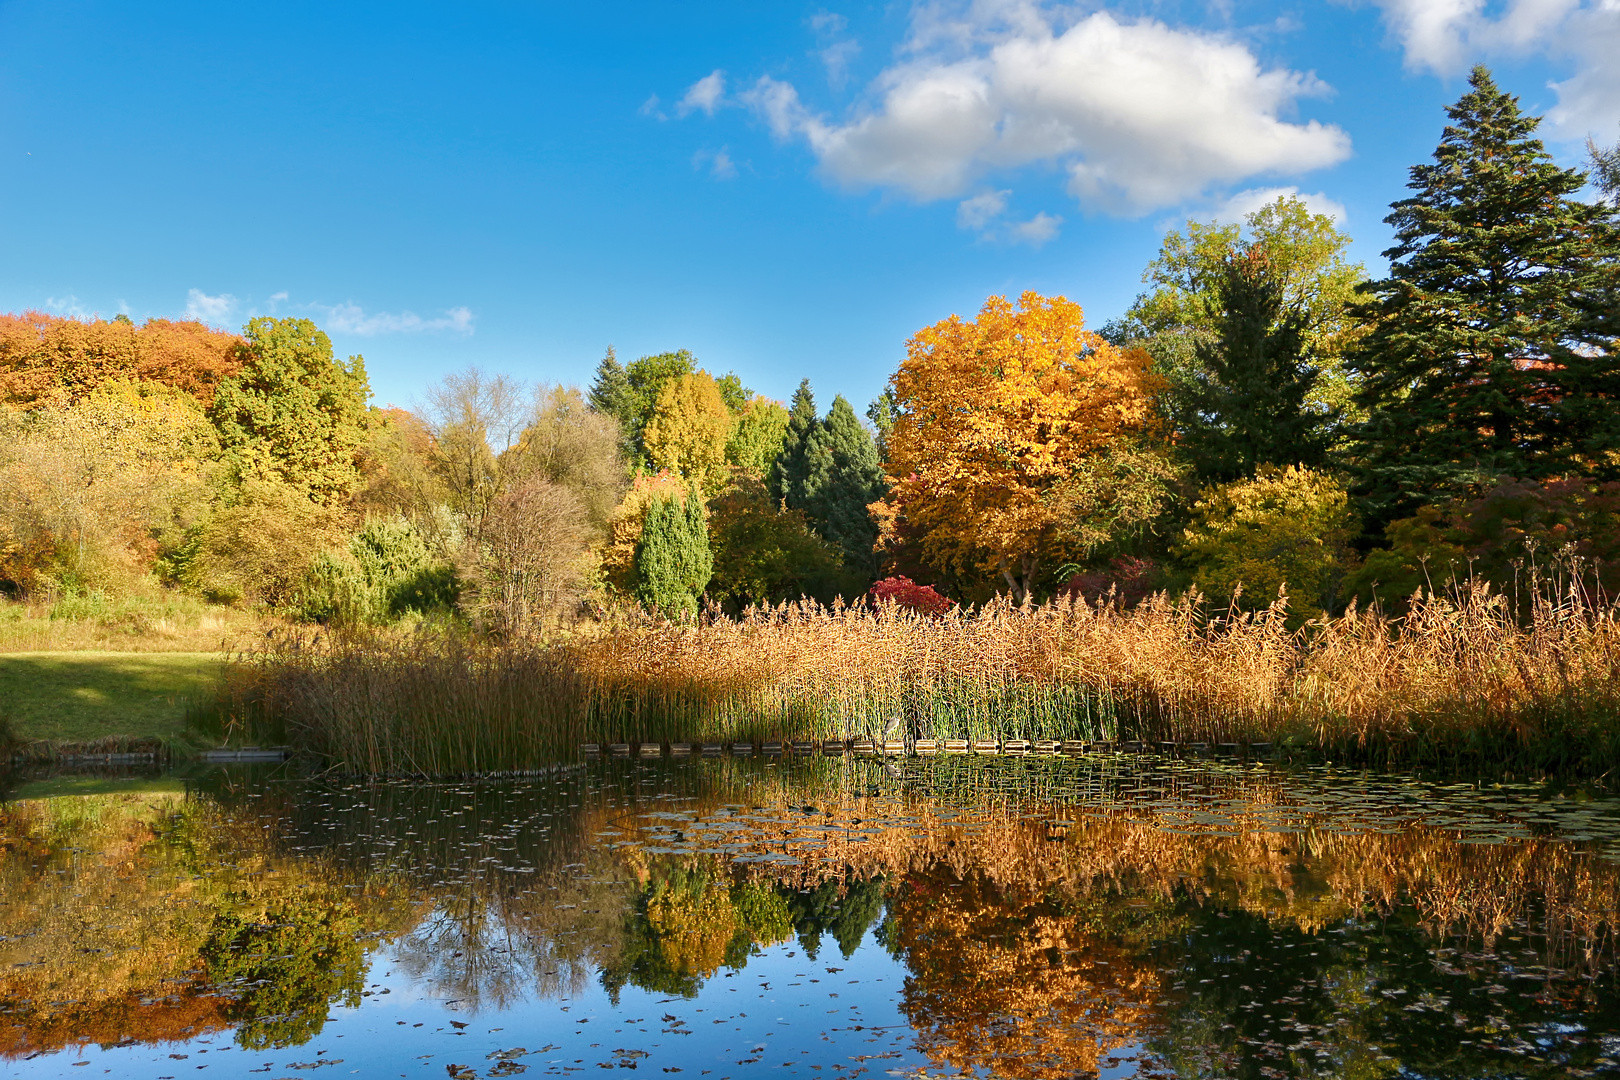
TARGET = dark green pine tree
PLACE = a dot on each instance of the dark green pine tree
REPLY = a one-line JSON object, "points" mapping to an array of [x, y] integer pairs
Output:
{"points": [[673, 560], [792, 465], [842, 478], [611, 395], [1491, 348], [1249, 403]]}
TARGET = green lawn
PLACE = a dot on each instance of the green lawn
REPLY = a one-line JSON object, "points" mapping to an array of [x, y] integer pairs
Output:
{"points": [[79, 696]]}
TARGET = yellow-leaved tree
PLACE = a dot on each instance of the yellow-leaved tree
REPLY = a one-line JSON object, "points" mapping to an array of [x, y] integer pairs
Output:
{"points": [[687, 432], [996, 413]]}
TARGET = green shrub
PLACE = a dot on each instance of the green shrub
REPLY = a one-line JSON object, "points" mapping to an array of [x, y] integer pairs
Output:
{"points": [[385, 570]]}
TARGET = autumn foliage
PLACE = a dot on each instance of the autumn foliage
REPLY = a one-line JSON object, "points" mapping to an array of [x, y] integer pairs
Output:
{"points": [[997, 412], [49, 360]]}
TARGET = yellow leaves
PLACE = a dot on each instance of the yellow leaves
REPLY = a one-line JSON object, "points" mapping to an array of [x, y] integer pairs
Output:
{"points": [[688, 430], [995, 412]]}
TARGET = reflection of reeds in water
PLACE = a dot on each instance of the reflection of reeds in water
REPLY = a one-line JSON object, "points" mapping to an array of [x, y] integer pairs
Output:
{"points": [[1459, 681]]}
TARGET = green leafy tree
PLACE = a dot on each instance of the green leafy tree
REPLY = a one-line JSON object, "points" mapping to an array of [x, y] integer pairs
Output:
{"points": [[792, 466], [294, 414], [673, 561], [1251, 397], [1492, 342], [763, 553], [758, 437], [843, 477], [1306, 253], [1284, 527]]}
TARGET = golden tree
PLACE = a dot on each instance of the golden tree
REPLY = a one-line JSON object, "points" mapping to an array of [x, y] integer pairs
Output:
{"points": [[688, 430], [996, 412]]}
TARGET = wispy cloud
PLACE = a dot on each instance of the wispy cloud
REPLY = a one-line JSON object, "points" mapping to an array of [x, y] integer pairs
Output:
{"points": [[704, 95], [1238, 206], [986, 214], [213, 310], [719, 163], [350, 318], [69, 305]]}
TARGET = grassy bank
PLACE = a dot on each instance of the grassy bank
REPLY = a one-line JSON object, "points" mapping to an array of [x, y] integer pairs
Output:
{"points": [[90, 697], [1456, 682], [163, 621]]}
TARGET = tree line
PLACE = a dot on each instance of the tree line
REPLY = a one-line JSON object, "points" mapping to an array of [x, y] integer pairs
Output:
{"points": [[1263, 416]]}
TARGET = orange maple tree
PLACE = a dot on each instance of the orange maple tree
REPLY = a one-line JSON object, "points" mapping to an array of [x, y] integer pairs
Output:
{"points": [[993, 414]]}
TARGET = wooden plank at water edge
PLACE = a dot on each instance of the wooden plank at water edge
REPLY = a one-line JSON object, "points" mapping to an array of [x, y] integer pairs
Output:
{"points": [[863, 746], [651, 749], [742, 748], [1015, 746], [804, 748], [1046, 746], [713, 749], [926, 747], [1074, 746], [986, 746], [773, 748], [832, 747], [955, 746], [894, 747], [680, 749], [620, 749], [590, 748]]}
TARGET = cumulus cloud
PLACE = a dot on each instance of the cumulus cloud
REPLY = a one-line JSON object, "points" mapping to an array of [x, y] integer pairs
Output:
{"points": [[213, 310], [704, 95], [1445, 36], [1237, 207], [350, 318], [1138, 113]]}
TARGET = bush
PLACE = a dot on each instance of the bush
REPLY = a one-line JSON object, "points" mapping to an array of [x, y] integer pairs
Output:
{"points": [[673, 560], [1501, 535], [903, 592], [262, 548], [763, 553], [1286, 527]]}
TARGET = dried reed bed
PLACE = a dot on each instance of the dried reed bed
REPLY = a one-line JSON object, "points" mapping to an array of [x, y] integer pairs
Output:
{"points": [[1461, 680]]}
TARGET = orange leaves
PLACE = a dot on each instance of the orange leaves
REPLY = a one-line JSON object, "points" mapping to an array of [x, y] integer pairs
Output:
{"points": [[995, 412], [45, 359]]}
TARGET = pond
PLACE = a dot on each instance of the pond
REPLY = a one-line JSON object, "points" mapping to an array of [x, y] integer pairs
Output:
{"points": [[1105, 915]]}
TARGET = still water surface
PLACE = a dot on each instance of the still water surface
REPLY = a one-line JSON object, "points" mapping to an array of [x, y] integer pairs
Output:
{"points": [[1029, 917]]}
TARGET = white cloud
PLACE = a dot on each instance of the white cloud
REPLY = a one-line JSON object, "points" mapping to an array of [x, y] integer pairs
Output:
{"points": [[1237, 207], [979, 211], [719, 163], [1445, 36], [650, 108], [837, 51], [70, 306], [705, 94], [1138, 113], [350, 318], [213, 310], [1037, 230]]}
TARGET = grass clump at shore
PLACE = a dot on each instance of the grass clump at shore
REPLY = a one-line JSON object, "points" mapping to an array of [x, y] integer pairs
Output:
{"points": [[1464, 681]]}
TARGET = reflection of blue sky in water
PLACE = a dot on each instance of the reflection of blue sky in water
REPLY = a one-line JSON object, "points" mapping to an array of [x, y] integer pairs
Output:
{"points": [[523, 895]]}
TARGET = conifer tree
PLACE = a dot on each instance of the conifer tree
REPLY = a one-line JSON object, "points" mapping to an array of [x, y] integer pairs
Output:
{"points": [[673, 562], [610, 390], [1492, 342], [792, 465], [1251, 402], [842, 477]]}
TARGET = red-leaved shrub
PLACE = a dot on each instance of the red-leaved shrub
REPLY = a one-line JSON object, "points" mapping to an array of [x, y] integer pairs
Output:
{"points": [[908, 594]]}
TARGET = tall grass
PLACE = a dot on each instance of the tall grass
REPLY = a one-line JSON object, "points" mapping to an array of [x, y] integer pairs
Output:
{"points": [[1458, 679], [161, 621]]}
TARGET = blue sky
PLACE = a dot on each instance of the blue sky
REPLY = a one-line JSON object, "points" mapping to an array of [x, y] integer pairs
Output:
{"points": [[788, 190]]}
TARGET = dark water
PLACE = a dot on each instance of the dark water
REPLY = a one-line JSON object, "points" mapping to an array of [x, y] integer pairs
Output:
{"points": [[833, 918]]}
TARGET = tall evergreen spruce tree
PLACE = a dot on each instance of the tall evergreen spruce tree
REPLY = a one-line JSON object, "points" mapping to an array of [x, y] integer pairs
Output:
{"points": [[1250, 403], [610, 395], [673, 561], [843, 476], [792, 465], [1492, 344]]}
